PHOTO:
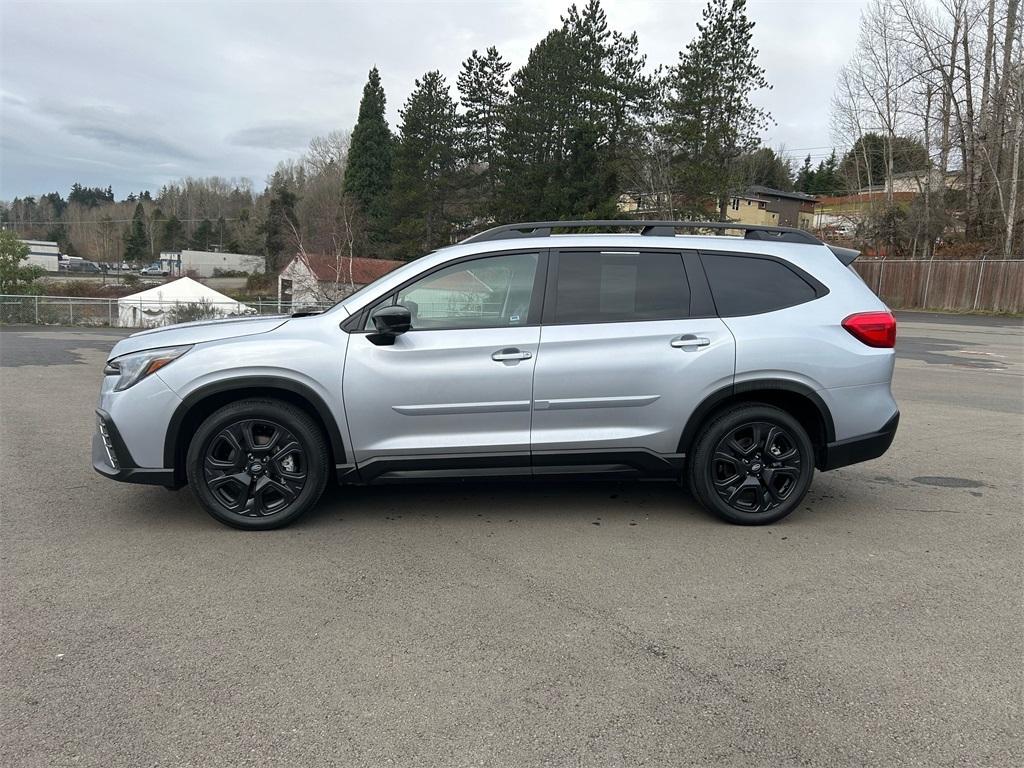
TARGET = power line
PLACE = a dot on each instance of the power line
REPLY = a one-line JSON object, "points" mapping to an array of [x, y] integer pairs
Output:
{"points": [[111, 221]]}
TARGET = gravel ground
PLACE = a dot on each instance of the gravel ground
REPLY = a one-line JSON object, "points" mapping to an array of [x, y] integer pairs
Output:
{"points": [[530, 624]]}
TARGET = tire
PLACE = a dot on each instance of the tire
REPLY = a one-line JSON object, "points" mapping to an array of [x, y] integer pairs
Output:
{"points": [[751, 465], [258, 464]]}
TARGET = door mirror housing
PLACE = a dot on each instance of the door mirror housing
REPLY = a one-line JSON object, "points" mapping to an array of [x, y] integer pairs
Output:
{"points": [[391, 321]]}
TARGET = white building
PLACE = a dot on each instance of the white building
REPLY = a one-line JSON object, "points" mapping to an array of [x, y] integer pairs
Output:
{"points": [[205, 263], [43, 253]]}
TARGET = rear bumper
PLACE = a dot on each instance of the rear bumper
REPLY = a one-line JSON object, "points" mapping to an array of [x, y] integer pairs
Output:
{"points": [[861, 448], [110, 458]]}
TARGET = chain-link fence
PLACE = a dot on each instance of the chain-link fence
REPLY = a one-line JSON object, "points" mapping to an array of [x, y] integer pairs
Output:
{"points": [[118, 313]]}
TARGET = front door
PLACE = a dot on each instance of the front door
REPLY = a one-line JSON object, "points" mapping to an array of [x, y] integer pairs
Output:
{"points": [[626, 355], [453, 393]]}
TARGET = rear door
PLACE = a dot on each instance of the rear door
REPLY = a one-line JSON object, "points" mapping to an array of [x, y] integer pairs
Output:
{"points": [[630, 345]]}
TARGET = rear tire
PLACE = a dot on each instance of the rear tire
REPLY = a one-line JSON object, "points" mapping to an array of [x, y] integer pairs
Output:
{"points": [[751, 465], [258, 464]]}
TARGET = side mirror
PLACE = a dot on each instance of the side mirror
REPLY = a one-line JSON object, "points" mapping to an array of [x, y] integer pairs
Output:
{"points": [[390, 322]]}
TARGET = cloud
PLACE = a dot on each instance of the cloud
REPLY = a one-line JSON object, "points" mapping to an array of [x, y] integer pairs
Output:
{"points": [[117, 127], [256, 81], [281, 134]]}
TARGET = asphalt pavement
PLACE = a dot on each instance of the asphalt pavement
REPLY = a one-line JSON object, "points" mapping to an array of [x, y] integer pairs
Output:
{"points": [[522, 624]]}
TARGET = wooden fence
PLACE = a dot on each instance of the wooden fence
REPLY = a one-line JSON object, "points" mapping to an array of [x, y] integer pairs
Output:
{"points": [[992, 285]]}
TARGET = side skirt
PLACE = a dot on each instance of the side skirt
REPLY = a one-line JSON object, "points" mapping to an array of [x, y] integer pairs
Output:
{"points": [[579, 465]]}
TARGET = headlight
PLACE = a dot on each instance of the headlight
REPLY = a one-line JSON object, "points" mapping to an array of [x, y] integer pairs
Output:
{"points": [[133, 368]]}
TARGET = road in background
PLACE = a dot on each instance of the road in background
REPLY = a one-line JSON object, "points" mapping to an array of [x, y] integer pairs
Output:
{"points": [[544, 623]]}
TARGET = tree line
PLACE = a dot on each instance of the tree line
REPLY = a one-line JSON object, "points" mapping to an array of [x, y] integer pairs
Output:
{"points": [[939, 87], [586, 129]]}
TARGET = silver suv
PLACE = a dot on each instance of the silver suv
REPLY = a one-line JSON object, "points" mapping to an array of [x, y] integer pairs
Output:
{"points": [[736, 364]]}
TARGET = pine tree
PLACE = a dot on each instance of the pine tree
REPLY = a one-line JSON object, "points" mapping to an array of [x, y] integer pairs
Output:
{"points": [[171, 234], [826, 180], [136, 244], [203, 236], [710, 118], [573, 118], [483, 93], [281, 225], [425, 164], [368, 173], [805, 181]]}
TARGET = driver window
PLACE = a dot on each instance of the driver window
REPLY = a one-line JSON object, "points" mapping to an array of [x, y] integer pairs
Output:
{"points": [[492, 292]]}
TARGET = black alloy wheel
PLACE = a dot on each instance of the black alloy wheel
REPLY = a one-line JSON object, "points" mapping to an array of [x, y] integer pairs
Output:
{"points": [[756, 467], [752, 464], [258, 464], [254, 468]]}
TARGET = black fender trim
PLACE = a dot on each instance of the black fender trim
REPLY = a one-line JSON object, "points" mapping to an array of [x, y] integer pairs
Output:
{"points": [[720, 396], [251, 383], [861, 448]]}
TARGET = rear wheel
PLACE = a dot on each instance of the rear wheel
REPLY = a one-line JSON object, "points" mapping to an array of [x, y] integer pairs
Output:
{"points": [[258, 464], [751, 465]]}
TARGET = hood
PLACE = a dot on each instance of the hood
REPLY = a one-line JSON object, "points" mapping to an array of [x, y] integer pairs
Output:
{"points": [[196, 333]]}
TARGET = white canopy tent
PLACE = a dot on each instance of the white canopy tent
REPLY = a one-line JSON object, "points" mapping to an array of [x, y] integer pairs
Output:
{"points": [[179, 301]]}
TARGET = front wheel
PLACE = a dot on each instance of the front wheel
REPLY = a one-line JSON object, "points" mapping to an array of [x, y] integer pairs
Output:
{"points": [[751, 465], [258, 464]]}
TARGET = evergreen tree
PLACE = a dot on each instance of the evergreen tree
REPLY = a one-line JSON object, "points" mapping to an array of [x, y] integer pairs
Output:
{"points": [[203, 236], [573, 118], [368, 173], [710, 118], [763, 167], [171, 234], [425, 164], [483, 92], [865, 162], [281, 225], [805, 177], [136, 244], [826, 179]]}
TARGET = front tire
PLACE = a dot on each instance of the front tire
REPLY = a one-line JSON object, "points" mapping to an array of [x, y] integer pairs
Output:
{"points": [[751, 465], [258, 464]]}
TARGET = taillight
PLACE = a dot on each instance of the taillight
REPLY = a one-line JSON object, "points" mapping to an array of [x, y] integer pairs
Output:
{"points": [[876, 329]]}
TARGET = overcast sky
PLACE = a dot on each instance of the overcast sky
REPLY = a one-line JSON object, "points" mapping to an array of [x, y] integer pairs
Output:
{"points": [[138, 94]]}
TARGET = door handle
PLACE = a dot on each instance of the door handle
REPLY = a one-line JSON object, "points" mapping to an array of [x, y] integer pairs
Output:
{"points": [[689, 340], [510, 353]]}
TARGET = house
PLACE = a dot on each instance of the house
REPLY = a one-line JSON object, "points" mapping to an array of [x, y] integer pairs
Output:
{"points": [[914, 182], [319, 279], [773, 207]]}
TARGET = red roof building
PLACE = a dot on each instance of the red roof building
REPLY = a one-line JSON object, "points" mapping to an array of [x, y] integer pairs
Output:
{"points": [[316, 279]]}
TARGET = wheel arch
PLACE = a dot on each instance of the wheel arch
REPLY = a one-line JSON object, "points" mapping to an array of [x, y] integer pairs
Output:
{"points": [[198, 405], [799, 400]]}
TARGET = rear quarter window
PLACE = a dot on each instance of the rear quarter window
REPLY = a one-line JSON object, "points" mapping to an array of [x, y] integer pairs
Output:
{"points": [[751, 285]]}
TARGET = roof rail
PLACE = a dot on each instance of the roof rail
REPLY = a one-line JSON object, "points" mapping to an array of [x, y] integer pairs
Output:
{"points": [[649, 228]]}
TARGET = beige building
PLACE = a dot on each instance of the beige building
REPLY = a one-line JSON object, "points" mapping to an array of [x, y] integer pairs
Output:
{"points": [[772, 207]]}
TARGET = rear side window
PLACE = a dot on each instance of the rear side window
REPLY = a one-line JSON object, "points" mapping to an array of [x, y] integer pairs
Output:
{"points": [[596, 287], [745, 285]]}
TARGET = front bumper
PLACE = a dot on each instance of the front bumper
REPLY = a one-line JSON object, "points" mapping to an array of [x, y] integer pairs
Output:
{"points": [[862, 448], [111, 458]]}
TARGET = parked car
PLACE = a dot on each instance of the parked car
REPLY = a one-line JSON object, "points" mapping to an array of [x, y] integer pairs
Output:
{"points": [[81, 267], [155, 269], [738, 365]]}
